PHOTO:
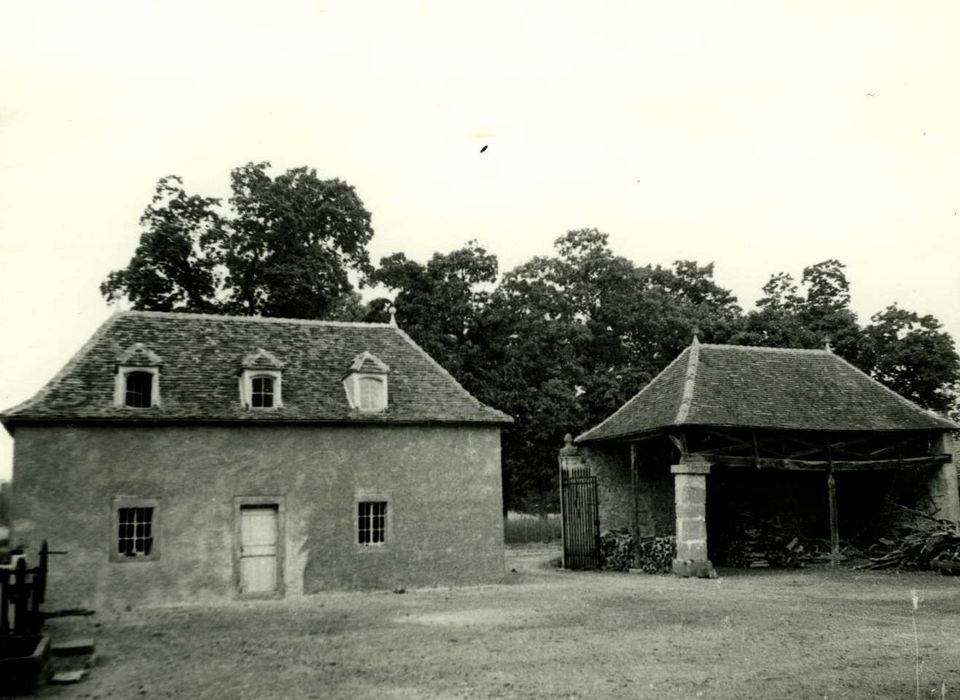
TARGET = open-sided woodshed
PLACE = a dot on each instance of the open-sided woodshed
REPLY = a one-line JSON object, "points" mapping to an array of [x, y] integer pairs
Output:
{"points": [[801, 436]]}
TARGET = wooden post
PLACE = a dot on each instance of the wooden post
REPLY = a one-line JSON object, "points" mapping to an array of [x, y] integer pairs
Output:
{"points": [[20, 597], [4, 603], [40, 587], [563, 517], [756, 450], [633, 482], [834, 525]]}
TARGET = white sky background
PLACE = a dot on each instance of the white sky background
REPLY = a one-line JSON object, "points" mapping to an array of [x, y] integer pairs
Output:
{"points": [[736, 132]]}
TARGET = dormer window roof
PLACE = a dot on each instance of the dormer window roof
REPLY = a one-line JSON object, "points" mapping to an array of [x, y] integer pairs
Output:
{"points": [[368, 363], [261, 359], [137, 380], [366, 383], [139, 355], [261, 377]]}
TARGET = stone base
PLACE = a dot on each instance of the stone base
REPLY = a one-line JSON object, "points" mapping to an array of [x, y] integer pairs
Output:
{"points": [[688, 568]]}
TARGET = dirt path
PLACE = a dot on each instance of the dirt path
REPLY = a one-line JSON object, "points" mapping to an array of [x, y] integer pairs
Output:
{"points": [[548, 633]]}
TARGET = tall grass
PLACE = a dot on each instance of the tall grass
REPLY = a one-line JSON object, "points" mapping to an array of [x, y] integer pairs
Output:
{"points": [[522, 528]]}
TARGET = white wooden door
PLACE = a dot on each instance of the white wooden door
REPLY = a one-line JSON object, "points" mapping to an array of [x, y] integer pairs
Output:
{"points": [[258, 549]]}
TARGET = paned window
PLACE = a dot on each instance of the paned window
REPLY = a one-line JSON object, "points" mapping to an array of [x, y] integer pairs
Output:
{"points": [[138, 390], [372, 522], [134, 532], [261, 395]]}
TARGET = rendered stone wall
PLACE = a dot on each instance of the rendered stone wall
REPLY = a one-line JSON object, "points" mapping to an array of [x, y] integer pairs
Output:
{"points": [[443, 483], [611, 466], [655, 488], [655, 493]]}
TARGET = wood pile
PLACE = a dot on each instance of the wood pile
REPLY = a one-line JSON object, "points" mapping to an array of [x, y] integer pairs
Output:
{"points": [[936, 547], [760, 543]]}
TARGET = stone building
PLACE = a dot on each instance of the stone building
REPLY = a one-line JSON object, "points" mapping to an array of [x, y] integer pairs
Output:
{"points": [[183, 457], [798, 435]]}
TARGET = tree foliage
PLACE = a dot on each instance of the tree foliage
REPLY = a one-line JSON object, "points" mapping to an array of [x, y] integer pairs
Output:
{"points": [[282, 246], [559, 342]]}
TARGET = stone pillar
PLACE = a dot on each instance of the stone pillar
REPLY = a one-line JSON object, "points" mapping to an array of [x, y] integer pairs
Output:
{"points": [[690, 492], [943, 482]]}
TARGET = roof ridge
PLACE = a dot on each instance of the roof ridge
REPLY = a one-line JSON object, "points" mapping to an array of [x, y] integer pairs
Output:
{"points": [[403, 334], [66, 369], [254, 319], [903, 399], [689, 383], [765, 348], [606, 420]]}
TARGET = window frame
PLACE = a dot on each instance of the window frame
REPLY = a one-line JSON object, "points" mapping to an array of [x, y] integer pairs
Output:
{"points": [[362, 497], [120, 386], [246, 388], [352, 385], [121, 502]]}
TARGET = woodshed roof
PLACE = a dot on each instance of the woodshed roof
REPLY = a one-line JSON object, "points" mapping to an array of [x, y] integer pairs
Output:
{"points": [[754, 387], [203, 355]]}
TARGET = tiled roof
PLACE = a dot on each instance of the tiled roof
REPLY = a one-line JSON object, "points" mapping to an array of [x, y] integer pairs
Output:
{"points": [[787, 389], [202, 357]]}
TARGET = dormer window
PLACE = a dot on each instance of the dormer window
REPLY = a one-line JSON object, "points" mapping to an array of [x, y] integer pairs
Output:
{"points": [[366, 383], [260, 380], [137, 383], [373, 394]]}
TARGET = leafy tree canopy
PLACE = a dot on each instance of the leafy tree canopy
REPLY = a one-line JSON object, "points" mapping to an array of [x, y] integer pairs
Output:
{"points": [[282, 246]]}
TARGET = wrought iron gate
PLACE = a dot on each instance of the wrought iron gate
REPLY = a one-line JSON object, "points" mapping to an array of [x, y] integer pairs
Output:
{"points": [[581, 524]]}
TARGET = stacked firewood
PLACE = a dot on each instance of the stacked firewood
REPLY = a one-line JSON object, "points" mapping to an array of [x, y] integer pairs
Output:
{"points": [[760, 543], [935, 545]]}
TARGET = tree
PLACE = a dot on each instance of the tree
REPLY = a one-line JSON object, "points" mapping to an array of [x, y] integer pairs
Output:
{"points": [[912, 355], [440, 303], [282, 247], [807, 317], [907, 352], [571, 337], [175, 266]]}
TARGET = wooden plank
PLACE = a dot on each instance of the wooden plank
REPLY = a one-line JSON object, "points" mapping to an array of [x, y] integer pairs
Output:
{"points": [[824, 465], [5, 602], [20, 598], [834, 519]]}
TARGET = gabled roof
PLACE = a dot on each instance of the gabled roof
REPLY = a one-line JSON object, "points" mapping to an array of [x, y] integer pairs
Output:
{"points": [[139, 355], [368, 362], [754, 387], [261, 359], [203, 354]]}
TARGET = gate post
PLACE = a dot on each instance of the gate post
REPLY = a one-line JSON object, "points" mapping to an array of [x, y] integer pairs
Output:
{"points": [[690, 494], [569, 459]]}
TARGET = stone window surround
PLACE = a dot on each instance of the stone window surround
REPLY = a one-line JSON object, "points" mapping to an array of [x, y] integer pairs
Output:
{"points": [[116, 504], [246, 388], [120, 386], [364, 496]]}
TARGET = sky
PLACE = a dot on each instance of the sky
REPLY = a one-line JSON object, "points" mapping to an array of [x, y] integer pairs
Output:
{"points": [[760, 136]]}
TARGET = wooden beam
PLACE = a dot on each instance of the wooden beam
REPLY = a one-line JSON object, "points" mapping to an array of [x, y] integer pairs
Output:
{"points": [[824, 465]]}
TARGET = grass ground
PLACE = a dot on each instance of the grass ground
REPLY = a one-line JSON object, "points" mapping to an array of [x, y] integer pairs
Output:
{"points": [[547, 633]]}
